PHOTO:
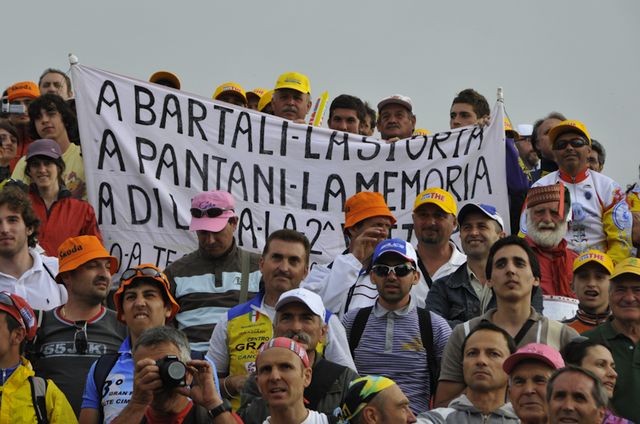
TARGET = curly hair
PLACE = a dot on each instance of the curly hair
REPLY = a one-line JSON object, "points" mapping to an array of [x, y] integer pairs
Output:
{"points": [[18, 201]]}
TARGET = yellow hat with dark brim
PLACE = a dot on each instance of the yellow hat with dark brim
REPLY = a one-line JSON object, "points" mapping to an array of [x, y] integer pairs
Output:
{"points": [[626, 266], [230, 87], [295, 81], [439, 197], [568, 126], [165, 78], [594, 256]]}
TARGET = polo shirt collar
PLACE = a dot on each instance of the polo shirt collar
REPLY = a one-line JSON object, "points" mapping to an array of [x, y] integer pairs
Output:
{"points": [[380, 311]]}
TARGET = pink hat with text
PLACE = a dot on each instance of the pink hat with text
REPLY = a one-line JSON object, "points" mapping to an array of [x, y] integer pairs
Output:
{"points": [[211, 210]]}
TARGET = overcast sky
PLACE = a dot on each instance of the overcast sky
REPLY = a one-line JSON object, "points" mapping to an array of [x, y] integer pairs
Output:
{"points": [[579, 57]]}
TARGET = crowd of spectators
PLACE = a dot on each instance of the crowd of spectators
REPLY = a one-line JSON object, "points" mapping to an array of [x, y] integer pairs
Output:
{"points": [[538, 326]]}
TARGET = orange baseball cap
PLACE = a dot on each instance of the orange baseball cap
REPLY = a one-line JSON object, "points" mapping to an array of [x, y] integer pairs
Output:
{"points": [[149, 273], [76, 251], [23, 89], [363, 205]]}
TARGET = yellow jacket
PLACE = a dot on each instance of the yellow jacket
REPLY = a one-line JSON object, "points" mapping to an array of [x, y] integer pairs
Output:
{"points": [[17, 403]]}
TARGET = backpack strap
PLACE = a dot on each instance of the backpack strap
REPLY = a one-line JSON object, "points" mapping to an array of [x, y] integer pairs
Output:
{"points": [[326, 373], [38, 396], [244, 276], [359, 322], [103, 367], [426, 334]]}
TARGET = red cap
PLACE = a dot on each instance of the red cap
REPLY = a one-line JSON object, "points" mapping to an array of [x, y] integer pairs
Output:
{"points": [[19, 309]]}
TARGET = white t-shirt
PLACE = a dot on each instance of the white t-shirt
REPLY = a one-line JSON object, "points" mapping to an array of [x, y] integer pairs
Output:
{"points": [[314, 417]]}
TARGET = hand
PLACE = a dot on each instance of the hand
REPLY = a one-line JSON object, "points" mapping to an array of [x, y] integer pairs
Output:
{"points": [[203, 389], [484, 121], [364, 244], [392, 140], [146, 381], [301, 121], [233, 384]]}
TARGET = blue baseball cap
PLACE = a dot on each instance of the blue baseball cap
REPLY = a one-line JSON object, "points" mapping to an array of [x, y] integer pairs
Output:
{"points": [[485, 209], [397, 246]]}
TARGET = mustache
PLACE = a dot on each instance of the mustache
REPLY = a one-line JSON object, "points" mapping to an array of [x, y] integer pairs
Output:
{"points": [[290, 109], [298, 336], [101, 279]]}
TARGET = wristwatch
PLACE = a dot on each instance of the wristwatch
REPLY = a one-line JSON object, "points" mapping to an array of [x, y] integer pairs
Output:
{"points": [[225, 406]]}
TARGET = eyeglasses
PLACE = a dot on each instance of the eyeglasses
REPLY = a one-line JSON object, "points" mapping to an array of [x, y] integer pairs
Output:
{"points": [[575, 143], [210, 213], [80, 339], [144, 272], [401, 270]]}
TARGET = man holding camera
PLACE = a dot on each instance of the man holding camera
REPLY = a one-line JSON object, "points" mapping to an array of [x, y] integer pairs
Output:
{"points": [[170, 387]]}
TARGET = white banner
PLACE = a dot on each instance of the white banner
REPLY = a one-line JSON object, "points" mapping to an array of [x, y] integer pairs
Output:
{"points": [[148, 150]]}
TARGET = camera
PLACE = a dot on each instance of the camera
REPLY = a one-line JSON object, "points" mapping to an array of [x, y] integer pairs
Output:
{"points": [[14, 108], [172, 371]]}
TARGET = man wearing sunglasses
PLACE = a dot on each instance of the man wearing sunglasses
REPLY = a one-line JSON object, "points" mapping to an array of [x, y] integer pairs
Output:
{"points": [[73, 336], [217, 276], [394, 337], [600, 215], [142, 301], [21, 401]]}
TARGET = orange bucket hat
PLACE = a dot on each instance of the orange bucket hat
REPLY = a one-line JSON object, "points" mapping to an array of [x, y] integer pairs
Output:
{"points": [[363, 205], [77, 251]]}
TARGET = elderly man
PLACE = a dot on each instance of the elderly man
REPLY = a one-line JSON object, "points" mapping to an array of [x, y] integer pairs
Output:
{"points": [[484, 351], [300, 316], [547, 216], [376, 400], [292, 97], [434, 220], [591, 272], [283, 371], [240, 332], [622, 334], [71, 337], [576, 395], [394, 337], [600, 218], [345, 283], [529, 370], [395, 118], [215, 277], [169, 386]]}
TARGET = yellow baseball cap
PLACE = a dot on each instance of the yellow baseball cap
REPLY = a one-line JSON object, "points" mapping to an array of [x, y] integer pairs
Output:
{"points": [[594, 256], [166, 78], [626, 266], [295, 81], [568, 126], [230, 87], [265, 100], [439, 197], [509, 131], [258, 92]]}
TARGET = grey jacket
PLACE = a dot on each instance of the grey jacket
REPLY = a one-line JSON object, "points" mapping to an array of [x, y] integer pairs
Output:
{"points": [[454, 299], [462, 411], [254, 410]]}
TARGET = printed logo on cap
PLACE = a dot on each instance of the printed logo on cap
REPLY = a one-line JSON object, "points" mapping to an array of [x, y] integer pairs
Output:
{"points": [[436, 196], [64, 253]]}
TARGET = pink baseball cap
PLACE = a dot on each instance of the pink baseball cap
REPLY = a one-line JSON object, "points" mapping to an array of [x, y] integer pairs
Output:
{"points": [[539, 352], [211, 210]]}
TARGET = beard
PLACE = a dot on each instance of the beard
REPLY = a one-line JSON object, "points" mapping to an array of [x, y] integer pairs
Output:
{"points": [[543, 235]]}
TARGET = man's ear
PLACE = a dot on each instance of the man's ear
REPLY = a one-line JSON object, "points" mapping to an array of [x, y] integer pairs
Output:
{"points": [[536, 282], [17, 336], [306, 376]]}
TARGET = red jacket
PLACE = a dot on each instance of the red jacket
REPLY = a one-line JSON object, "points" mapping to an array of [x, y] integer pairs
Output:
{"points": [[556, 268], [67, 217]]}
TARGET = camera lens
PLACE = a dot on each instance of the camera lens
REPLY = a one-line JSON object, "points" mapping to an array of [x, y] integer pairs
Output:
{"points": [[172, 371]]}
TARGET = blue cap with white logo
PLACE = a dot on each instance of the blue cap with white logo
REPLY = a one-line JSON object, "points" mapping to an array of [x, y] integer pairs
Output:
{"points": [[397, 246], [485, 209]]}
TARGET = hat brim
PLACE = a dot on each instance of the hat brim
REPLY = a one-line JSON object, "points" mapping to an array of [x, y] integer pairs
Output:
{"points": [[437, 203], [388, 102], [512, 361], [81, 260], [471, 207], [291, 87], [214, 225], [295, 299], [558, 130]]}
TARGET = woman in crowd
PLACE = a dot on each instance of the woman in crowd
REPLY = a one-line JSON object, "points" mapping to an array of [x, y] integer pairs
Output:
{"points": [[598, 359], [61, 215]]}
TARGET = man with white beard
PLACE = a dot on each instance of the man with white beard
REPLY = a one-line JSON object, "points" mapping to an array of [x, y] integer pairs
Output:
{"points": [[547, 214]]}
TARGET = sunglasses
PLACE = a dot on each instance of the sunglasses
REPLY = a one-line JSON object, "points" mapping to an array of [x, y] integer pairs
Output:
{"points": [[575, 143], [80, 338], [401, 270], [143, 272], [210, 213]]}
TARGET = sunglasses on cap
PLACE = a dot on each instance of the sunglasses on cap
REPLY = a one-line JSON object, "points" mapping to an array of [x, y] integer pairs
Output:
{"points": [[80, 338], [575, 143], [7, 300], [209, 213], [143, 272], [401, 270]]}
